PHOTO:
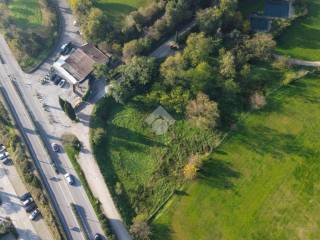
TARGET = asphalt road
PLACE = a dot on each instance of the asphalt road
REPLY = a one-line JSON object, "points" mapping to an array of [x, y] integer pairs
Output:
{"points": [[62, 193]]}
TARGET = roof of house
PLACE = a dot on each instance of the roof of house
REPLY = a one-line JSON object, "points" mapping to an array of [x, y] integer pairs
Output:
{"points": [[260, 24], [80, 63], [278, 8]]}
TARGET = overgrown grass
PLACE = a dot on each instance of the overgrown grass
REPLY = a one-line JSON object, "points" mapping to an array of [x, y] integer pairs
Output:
{"points": [[263, 182], [302, 38], [143, 169], [30, 28], [116, 10]]}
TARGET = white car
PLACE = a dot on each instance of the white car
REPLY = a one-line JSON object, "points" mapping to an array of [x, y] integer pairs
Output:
{"points": [[2, 148], [27, 202], [69, 178], [34, 214], [4, 155], [62, 83], [55, 147]]}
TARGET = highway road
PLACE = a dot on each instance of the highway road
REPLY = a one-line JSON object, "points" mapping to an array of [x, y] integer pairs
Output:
{"points": [[61, 193]]}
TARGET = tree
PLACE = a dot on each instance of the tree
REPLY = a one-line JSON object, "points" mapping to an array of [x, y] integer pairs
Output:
{"points": [[135, 76], [173, 69], [199, 48], [100, 71], [209, 20], [260, 46], [202, 112], [227, 64], [96, 26], [191, 169], [69, 110], [176, 100], [140, 228]]}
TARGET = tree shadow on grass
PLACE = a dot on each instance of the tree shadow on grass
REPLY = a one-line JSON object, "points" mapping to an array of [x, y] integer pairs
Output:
{"points": [[161, 231], [218, 174]]}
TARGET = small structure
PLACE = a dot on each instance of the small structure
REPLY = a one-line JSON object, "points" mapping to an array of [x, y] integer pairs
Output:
{"points": [[160, 121], [260, 23], [278, 9], [79, 64]]}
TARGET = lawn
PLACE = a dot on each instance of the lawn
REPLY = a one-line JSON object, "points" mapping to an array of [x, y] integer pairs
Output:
{"points": [[263, 182], [30, 28], [302, 39], [118, 9]]}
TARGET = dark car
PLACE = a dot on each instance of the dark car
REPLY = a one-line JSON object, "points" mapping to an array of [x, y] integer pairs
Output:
{"points": [[31, 207], [57, 80], [66, 48], [53, 77], [97, 237], [25, 196], [6, 161]]}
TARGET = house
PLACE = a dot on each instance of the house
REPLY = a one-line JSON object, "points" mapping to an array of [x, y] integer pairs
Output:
{"points": [[278, 9], [79, 64], [260, 23]]}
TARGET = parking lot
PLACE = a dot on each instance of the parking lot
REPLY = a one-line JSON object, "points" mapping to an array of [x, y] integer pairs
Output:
{"points": [[11, 188]]}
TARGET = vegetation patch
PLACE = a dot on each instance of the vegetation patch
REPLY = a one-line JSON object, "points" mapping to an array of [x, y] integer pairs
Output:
{"points": [[302, 39], [117, 10], [30, 28], [262, 182]]}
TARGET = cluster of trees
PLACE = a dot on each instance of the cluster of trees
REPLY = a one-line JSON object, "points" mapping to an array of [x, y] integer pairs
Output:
{"points": [[177, 12]]}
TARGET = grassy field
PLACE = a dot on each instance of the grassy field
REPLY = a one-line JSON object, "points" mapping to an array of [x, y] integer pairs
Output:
{"points": [[130, 151], [30, 28], [263, 182], [118, 9], [302, 39]]}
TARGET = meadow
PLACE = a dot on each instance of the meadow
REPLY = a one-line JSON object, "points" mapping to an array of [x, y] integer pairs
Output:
{"points": [[302, 39], [262, 182], [116, 10]]}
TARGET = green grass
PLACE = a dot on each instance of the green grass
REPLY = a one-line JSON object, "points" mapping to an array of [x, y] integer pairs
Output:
{"points": [[129, 154], [22, 19], [116, 10], [302, 39], [263, 182], [25, 14]]}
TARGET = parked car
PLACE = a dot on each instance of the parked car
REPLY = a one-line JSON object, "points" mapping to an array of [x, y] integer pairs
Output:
{"points": [[29, 200], [6, 160], [97, 236], [25, 196], [2, 148], [4, 155], [55, 147], [53, 77], [69, 178], [58, 79], [31, 207], [34, 214], [66, 48], [62, 83]]}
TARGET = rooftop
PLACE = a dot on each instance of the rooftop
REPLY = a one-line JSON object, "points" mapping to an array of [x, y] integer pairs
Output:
{"points": [[80, 63]]}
